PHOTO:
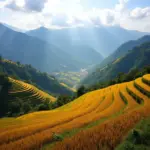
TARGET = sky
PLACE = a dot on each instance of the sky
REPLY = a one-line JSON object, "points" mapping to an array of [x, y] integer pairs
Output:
{"points": [[31, 14]]}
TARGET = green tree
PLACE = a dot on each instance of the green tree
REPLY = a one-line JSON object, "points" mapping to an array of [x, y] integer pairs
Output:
{"points": [[44, 106], [5, 85], [26, 107], [1, 58], [81, 90], [18, 63]]}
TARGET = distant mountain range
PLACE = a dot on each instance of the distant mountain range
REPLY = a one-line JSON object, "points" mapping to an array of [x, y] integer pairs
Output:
{"points": [[138, 57], [62, 50], [41, 54], [14, 28], [102, 39]]}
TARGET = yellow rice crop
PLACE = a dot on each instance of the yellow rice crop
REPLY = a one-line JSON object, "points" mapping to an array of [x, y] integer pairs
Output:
{"points": [[33, 130], [142, 85], [25, 87]]}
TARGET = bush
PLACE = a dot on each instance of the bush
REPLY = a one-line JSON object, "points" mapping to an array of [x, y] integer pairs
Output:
{"points": [[57, 137], [26, 107], [45, 105]]}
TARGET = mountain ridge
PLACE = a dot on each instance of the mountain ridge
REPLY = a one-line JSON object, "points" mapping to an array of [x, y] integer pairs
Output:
{"points": [[18, 46], [138, 57], [94, 37], [123, 49]]}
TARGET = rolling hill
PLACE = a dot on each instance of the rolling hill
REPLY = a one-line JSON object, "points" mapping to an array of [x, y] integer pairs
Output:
{"points": [[18, 98], [107, 115], [105, 40], [123, 50], [27, 91], [18, 46], [25, 97], [31, 75], [138, 57]]}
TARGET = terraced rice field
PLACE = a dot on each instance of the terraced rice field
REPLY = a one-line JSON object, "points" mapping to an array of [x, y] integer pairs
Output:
{"points": [[116, 109], [27, 91], [9, 61]]}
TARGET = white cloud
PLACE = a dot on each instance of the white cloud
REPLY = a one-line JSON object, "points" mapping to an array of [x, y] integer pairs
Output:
{"points": [[60, 20], [29, 14], [140, 13], [121, 6], [27, 5]]}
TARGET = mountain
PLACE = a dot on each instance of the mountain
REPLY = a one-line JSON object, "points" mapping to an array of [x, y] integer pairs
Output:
{"points": [[30, 50], [14, 28], [86, 54], [123, 49], [138, 57], [69, 43], [29, 74], [102, 39]]}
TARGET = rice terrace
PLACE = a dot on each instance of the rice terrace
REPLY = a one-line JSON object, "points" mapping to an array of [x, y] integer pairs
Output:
{"points": [[96, 120]]}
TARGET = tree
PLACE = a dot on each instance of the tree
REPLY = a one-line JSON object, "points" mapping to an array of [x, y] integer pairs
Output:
{"points": [[1, 58], [45, 105], [18, 63], [26, 107], [81, 90]]}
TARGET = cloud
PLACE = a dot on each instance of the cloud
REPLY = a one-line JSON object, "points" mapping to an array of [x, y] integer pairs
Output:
{"points": [[27, 5], [96, 20], [60, 20], [35, 5], [13, 5], [140, 13], [121, 6], [108, 17], [29, 14]]}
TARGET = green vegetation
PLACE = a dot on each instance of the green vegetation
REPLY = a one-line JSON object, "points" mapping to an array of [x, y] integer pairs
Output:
{"points": [[138, 138], [69, 78], [121, 77], [4, 88], [18, 98], [30, 75], [137, 58], [123, 50]]}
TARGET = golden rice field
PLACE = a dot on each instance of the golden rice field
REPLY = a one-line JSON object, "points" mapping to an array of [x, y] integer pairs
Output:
{"points": [[117, 108], [9, 61], [27, 91]]}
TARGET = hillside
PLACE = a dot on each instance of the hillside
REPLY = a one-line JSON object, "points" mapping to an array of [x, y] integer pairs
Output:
{"points": [[18, 97], [138, 57], [31, 75], [102, 39], [26, 97], [107, 115], [20, 89], [18, 46], [123, 50]]}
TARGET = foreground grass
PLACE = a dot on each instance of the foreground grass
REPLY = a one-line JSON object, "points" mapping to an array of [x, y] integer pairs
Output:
{"points": [[138, 138]]}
